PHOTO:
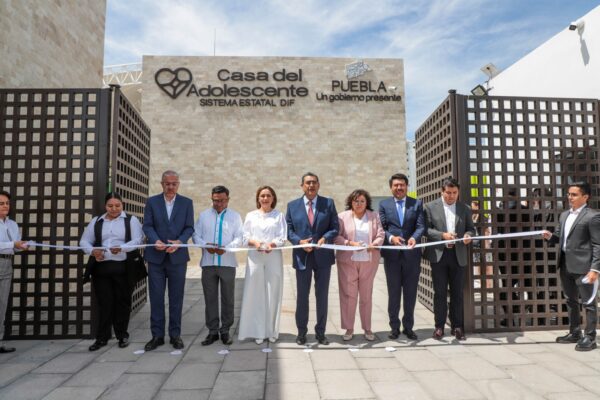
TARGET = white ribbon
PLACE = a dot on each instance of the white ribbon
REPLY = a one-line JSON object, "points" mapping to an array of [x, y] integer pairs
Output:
{"points": [[298, 246]]}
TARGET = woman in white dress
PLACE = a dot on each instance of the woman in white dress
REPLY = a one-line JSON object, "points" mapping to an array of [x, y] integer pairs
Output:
{"points": [[264, 229]]}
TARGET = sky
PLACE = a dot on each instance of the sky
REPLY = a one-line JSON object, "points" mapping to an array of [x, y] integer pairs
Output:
{"points": [[443, 43]]}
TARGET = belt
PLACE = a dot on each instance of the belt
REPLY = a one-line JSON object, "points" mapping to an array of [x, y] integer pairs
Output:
{"points": [[6, 256]]}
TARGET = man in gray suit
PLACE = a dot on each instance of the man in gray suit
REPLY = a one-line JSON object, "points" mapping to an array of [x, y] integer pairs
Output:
{"points": [[578, 235], [447, 219]]}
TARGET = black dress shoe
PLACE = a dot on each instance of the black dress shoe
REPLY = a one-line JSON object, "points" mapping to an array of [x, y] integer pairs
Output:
{"points": [[226, 339], [177, 343], [459, 334], [154, 343], [586, 343], [322, 340], [394, 334], [571, 337], [4, 349], [301, 340], [210, 339], [97, 344], [438, 334], [410, 334], [123, 342]]}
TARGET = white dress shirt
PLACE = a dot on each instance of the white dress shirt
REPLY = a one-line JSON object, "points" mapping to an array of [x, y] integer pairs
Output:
{"points": [[169, 205], [569, 224], [9, 234], [113, 235], [223, 229], [450, 213], [265, 227]]}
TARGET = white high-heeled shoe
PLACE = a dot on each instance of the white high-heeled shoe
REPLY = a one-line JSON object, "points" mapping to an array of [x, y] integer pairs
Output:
{"points": [[259, 341]]}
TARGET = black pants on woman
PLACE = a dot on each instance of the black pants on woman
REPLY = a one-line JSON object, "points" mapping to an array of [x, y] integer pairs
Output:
{"points": [[113, 297]]}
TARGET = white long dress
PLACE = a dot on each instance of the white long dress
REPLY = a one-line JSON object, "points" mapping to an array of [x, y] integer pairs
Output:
{"points": [[263, 285]]}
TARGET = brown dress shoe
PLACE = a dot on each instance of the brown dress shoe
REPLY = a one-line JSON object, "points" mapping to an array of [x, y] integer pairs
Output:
{"points": [[438, 334]]}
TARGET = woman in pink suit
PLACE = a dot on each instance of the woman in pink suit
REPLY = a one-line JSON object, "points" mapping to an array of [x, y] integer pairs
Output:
{"points": [[359, 226]]}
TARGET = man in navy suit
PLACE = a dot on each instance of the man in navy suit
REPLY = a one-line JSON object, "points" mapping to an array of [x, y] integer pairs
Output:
{"points": [[312, 219], [168, 219], [403, 221]]}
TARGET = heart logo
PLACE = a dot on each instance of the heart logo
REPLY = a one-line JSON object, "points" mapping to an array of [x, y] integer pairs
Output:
{"points": [[173, 82]]}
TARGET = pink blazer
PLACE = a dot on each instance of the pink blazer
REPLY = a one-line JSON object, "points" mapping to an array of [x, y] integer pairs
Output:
{"points": [[346, 234]]}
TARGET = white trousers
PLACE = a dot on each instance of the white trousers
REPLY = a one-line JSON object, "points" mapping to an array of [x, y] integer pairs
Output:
{"points": [[263, 291]]}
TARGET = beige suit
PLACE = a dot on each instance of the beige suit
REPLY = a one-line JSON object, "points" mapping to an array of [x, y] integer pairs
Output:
{"points": [[355, 278]]}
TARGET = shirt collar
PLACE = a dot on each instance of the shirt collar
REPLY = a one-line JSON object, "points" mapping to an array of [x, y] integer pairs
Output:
{"points": [[577, 211], [5, 220], [170, 202], [306, 200], [122, 215], [215, 211], [448, 205]]}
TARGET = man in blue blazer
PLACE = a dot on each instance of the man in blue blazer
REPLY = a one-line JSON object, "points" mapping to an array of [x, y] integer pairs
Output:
{"points": [[168, 219], [403, 221], [312, 219]]}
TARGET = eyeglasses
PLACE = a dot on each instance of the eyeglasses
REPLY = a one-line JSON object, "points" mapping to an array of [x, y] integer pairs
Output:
{"points": [[220, 200], [170, 184], [308, 183]]}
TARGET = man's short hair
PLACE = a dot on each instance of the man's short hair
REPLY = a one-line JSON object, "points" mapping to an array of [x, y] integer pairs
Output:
{"points": [[5, 193], [450, 182], [398, 177], [583, 186], [169, 172], [308, 174], [220, 189]]}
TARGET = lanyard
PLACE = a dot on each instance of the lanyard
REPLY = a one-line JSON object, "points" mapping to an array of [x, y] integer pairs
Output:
{"points": [[219, 220]]}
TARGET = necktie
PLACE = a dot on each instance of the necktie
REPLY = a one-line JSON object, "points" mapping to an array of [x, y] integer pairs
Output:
{"points": [[400, 208], [311, 215]]}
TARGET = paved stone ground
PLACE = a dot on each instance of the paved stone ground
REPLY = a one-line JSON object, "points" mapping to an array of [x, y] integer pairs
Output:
{"points": [[490, 366]]}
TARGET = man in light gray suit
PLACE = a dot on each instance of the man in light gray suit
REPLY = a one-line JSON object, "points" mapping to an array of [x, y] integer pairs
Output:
{"points": [[578, 235], [447, 219]]}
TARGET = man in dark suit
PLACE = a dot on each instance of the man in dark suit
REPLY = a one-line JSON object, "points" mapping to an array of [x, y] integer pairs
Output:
{"points": [[578, 235], [312, 219], [404, 224], [168, 219], [447, 219]]}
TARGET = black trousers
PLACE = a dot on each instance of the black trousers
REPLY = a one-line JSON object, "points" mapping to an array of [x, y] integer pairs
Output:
{"points": [[402, 278], [574, 290], [303, 283], [114, 299], [448, 273], [212, 278]]}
